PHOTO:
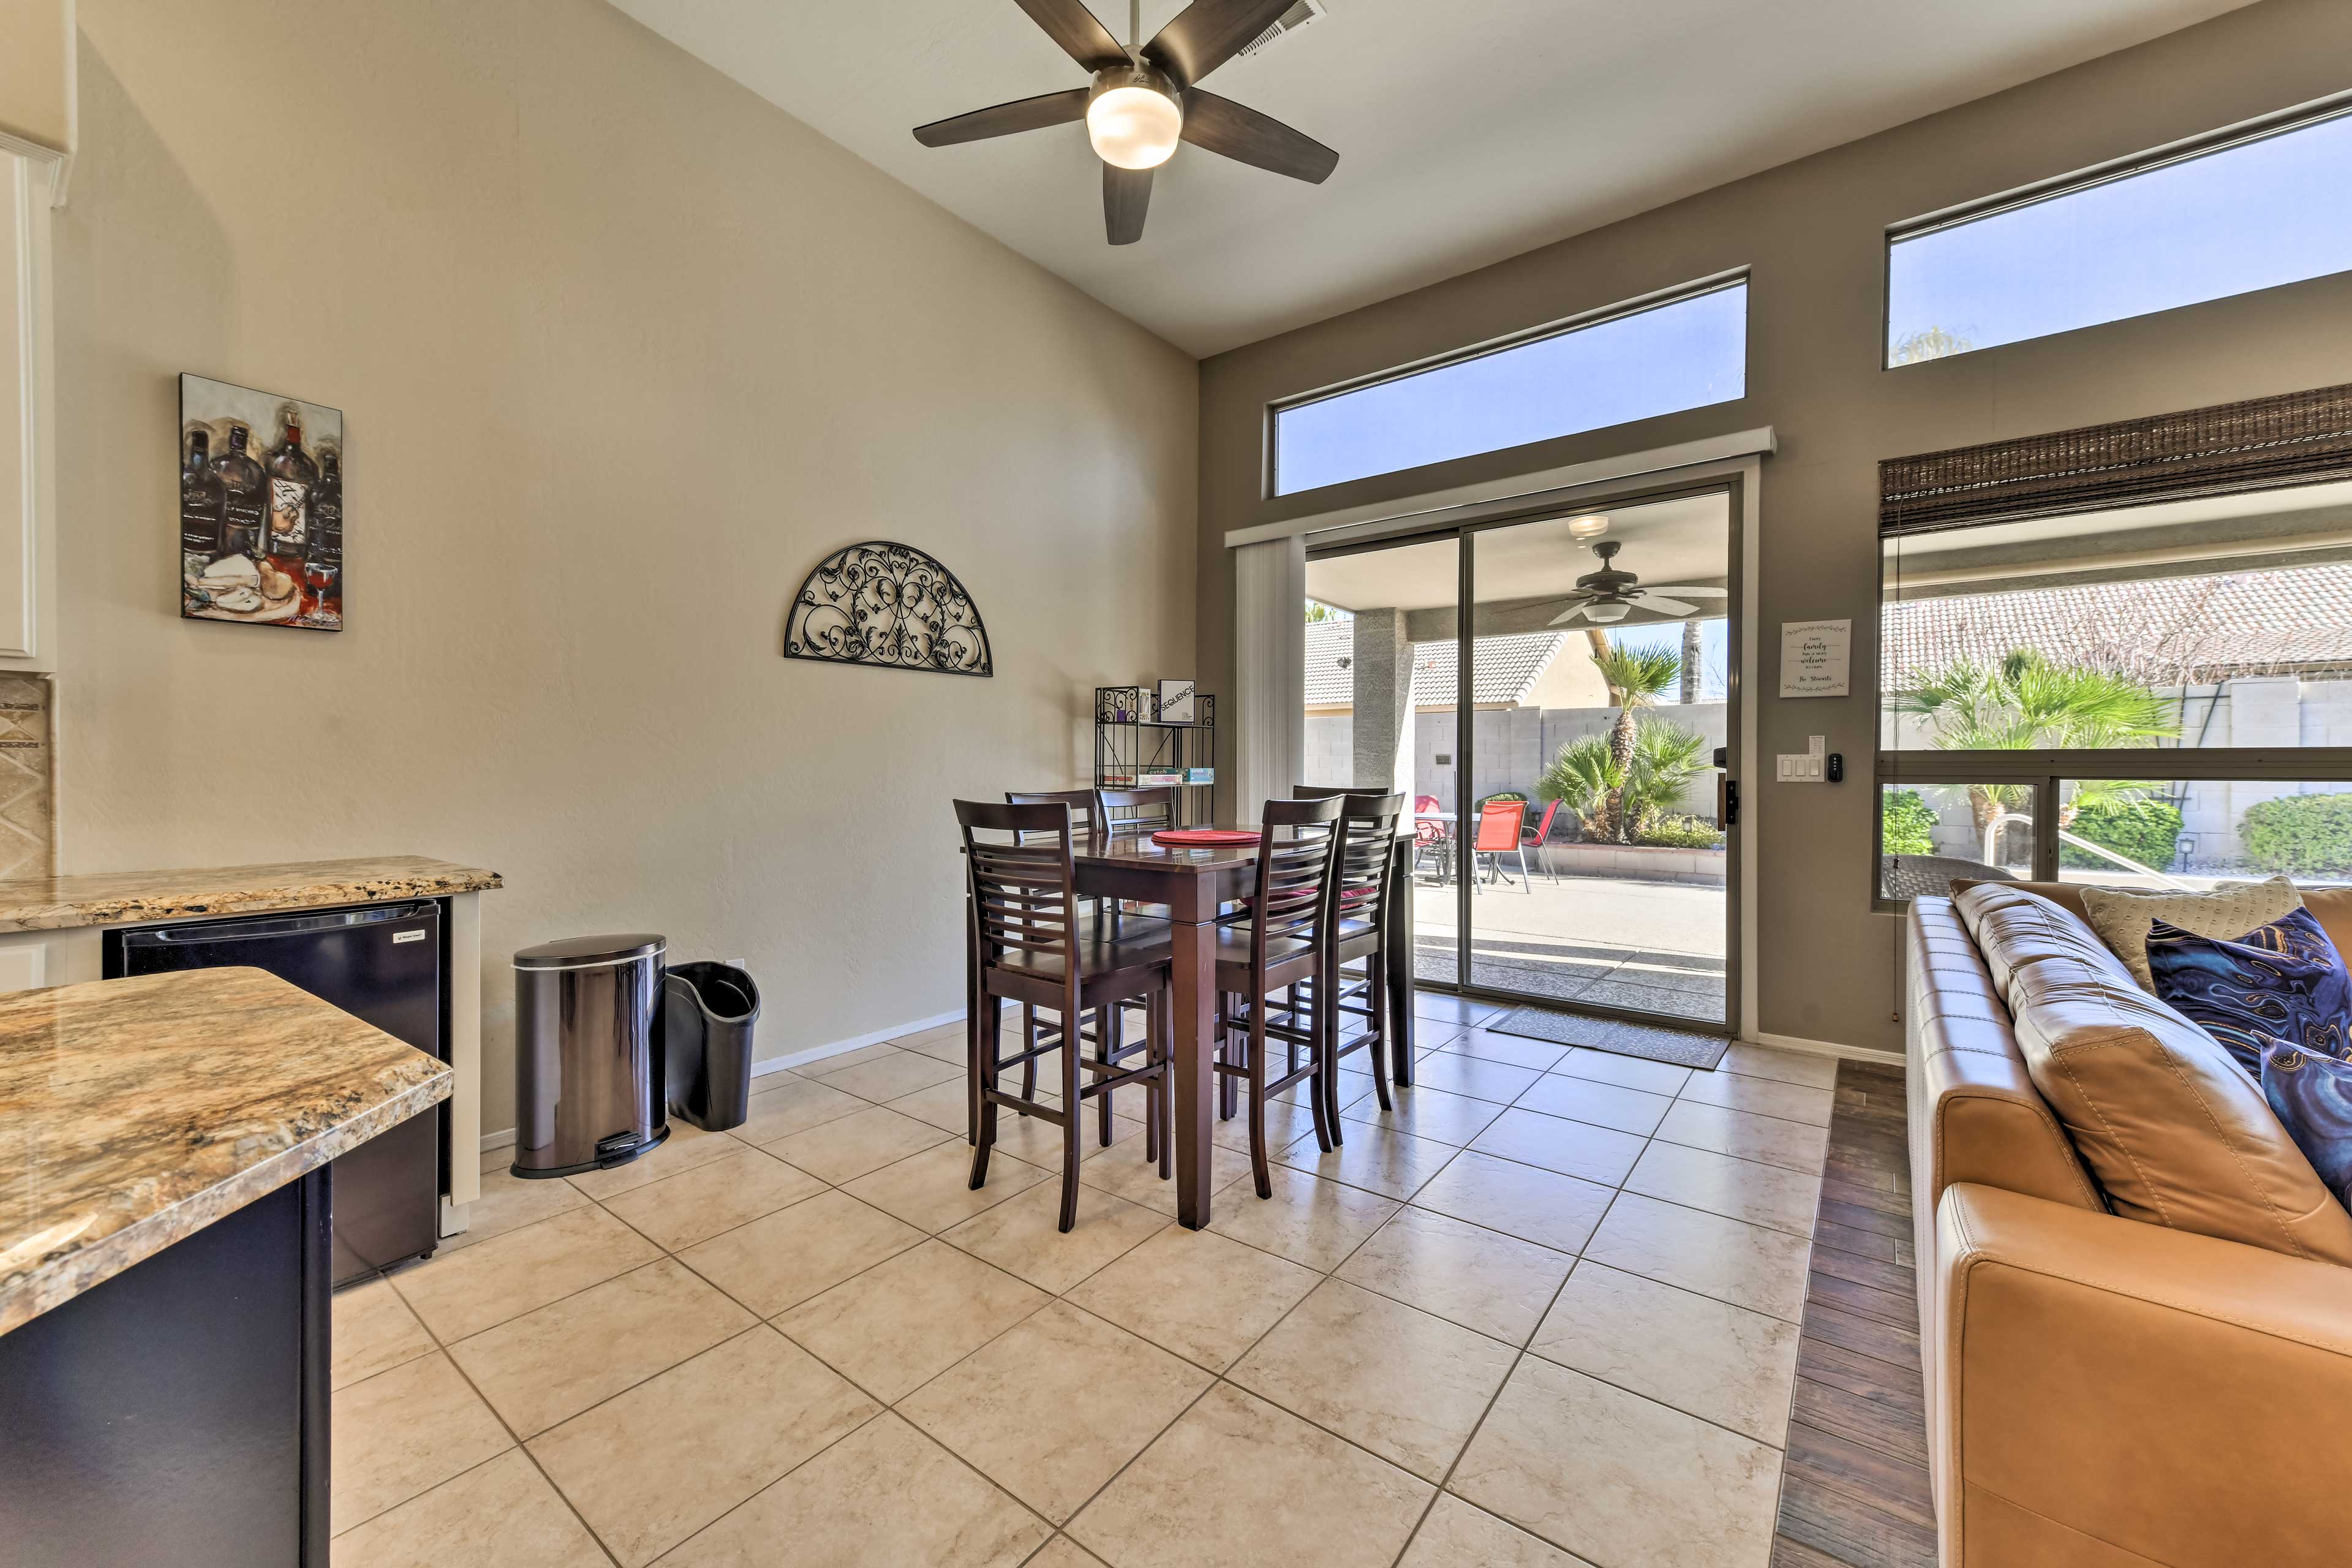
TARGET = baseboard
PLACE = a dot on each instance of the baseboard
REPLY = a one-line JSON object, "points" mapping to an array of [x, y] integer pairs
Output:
{"points": [[855, 1043], [796, 1058], [1824, 1047]]}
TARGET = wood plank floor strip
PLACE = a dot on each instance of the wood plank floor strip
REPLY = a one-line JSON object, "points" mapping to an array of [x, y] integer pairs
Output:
{"points": [[1894, 1486], [1872, 1271], [1853, 1490]]}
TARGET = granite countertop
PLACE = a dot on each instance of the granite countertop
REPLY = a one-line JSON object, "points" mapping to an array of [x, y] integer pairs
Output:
{"points": [[134, 1112], [131, 897]]}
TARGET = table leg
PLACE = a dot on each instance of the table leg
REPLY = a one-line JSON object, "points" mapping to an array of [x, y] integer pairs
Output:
{"points": [[1192, 951], [1396, 946]]}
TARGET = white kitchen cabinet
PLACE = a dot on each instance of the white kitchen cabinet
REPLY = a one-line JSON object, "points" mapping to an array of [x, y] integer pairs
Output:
{"points": [[28, 400]]}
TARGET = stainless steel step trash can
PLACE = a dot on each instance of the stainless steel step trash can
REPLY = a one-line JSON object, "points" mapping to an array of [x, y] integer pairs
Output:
{"points": [[589, 1069], [708, 1013]]}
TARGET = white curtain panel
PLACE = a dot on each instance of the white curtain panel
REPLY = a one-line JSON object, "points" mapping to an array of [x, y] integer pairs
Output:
{"points": [[1270, 665]]}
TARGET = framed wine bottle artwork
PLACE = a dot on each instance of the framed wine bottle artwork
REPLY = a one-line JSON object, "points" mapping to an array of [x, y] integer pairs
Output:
{"points": [[261, 508]]}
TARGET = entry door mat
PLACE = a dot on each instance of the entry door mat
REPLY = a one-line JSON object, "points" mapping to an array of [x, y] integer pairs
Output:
{"points": [[1679, 1046]]}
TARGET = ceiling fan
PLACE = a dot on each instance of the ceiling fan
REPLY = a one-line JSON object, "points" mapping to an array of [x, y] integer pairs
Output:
{"points": [[1146, 97], [1605, 597]]}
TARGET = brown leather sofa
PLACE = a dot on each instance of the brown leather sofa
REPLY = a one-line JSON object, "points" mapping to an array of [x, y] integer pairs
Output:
{"points": [[2105, 1391]]}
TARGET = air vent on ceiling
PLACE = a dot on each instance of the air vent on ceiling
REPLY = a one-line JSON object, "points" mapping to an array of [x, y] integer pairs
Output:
{"points": [[1289, 22]]}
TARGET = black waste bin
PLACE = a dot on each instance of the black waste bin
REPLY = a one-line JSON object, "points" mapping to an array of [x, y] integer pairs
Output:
{"points": [[588, 1053], [710, 1008]]}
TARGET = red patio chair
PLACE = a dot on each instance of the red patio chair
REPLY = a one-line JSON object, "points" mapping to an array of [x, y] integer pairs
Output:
{"points": [[1536, 836], [1499, 822], [1431, 837]]}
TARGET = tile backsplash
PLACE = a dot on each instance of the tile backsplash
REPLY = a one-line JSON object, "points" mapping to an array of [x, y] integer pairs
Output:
{"points": [[28, 835]]}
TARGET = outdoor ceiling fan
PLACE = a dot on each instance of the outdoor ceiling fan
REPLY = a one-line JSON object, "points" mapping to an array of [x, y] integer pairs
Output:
{"points": [[1146, 97], [1605, 597]]}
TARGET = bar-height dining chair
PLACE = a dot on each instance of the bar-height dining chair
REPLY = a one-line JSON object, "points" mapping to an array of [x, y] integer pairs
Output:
{"points": [[1281, 945], [1032, 944], [1142, 810], [1089, 815], [1361, 887]]}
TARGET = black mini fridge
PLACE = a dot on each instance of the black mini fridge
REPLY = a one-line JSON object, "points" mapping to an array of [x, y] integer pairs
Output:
{"points": [[380, 963]]}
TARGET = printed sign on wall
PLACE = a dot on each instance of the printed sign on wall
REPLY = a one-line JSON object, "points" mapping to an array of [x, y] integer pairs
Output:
{"points": [[1816, 657]]}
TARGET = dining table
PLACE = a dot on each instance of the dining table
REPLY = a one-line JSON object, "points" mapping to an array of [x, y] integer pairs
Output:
{"points": [[1196, 882]]}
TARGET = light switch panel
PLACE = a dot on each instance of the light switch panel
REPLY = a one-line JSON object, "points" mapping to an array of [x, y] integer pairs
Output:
{"points": [[1799, 767]]}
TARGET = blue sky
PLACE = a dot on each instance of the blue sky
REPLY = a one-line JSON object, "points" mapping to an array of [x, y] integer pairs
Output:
{"points": [[1682, 355], [1715, 645], [2254, 216]]}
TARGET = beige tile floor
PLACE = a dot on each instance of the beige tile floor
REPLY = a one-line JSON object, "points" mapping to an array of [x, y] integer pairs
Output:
{"points": [[1542, 1313]]}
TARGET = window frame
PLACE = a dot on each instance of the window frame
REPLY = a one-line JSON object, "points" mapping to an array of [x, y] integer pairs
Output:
{"points": [[1270, 478], [2262, 127]]}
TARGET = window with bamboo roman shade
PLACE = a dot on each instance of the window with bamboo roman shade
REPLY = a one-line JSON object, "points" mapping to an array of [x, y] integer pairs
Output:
{"points": [[2121, 653]]}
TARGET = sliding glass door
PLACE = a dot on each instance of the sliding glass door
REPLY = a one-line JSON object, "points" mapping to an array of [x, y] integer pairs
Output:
{"points": [[1380, 708], [1552, 692]]}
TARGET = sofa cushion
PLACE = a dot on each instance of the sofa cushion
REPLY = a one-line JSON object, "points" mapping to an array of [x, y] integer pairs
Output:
{"points": [[2173, 1130], [2282, 982], [2121, 918], [2331, 905]]}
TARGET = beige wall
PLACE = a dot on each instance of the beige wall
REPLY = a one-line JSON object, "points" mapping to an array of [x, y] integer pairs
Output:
{"points": [[1812, 233], [36, 100], [622, 351]]}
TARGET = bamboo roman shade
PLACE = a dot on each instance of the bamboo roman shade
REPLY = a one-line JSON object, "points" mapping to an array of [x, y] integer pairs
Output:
{"points": [[2267, 443]]}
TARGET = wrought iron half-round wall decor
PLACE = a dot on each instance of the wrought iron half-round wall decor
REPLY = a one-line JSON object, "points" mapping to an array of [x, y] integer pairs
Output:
{"points": [[889, 605]]}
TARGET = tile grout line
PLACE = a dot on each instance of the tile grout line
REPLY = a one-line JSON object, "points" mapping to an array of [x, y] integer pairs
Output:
{"points": [[1780, 1477], [1324, 1275]]}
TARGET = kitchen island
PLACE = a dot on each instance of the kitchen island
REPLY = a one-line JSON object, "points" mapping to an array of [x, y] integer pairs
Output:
{"points": [[56, 931], [165, 1213]]}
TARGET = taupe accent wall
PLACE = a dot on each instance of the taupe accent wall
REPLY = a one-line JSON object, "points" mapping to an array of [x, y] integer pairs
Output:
{"points": [[1813, 234], [622, 352]]}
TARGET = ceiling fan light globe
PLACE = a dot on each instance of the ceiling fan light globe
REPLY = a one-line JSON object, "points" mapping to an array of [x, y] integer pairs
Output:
{"points": [[1134, 126], [1605, 613]]}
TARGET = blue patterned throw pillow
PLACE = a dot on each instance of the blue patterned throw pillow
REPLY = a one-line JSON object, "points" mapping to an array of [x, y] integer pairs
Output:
{"points": [[2282, 984], [2312, 1097]]}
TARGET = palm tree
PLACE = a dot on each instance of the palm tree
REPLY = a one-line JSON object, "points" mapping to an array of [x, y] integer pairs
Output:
{"points": [[1586, 777], [1636, 678], [2025, 703]]}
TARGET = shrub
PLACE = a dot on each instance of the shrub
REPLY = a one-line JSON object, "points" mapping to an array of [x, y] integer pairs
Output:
{"points": [[1906, 822], [2299, 833], [2147, 831], [1676, 831]]}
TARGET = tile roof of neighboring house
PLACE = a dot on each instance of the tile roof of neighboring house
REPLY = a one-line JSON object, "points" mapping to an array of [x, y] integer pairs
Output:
{"points": [[1505, 669], [2208, 628]]}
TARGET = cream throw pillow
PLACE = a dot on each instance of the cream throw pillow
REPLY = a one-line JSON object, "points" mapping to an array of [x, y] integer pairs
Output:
{"points": [[2232, 910]]}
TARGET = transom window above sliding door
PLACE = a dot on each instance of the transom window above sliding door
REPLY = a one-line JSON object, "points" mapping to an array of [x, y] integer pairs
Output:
{"points": [[1635, 361], [2240, 211]]}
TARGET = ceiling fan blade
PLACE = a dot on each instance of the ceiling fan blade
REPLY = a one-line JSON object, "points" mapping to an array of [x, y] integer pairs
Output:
{"points": [[1690, 593], [1069, 24], [1562, 620], [1127, 193], [1208, 33], [1004, 119], [1242, 134], [1668, 607]]}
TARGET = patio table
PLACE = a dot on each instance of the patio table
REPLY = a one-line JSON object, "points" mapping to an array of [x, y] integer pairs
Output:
{"points": [[1194, 882]]}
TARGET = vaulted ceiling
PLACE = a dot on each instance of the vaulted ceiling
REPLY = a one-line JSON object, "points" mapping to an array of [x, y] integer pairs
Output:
{"points": [[1468, 130]]}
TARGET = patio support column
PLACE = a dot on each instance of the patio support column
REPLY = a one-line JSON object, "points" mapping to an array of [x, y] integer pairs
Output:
{"points": [[1383, 718]]}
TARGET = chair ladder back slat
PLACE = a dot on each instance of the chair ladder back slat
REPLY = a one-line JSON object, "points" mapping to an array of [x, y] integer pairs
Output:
{"points": [[1022, 882]]}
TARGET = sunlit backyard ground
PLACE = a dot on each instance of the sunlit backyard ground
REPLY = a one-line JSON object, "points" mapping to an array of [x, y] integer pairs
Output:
{"points": [[1654, 947]]}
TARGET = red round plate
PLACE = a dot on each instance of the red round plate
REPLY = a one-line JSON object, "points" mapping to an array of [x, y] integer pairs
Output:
{"points": [[1182, 836]]}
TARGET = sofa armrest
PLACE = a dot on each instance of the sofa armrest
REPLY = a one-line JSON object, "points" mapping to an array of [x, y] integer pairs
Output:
{"points": [[2117, 1392]]}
